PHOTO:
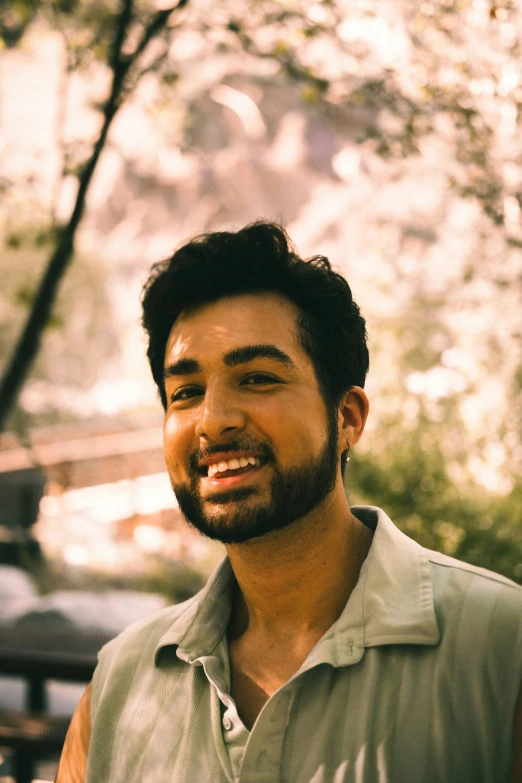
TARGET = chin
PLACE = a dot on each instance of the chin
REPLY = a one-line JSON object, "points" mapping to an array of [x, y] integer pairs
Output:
{"points": [[239, 528]]}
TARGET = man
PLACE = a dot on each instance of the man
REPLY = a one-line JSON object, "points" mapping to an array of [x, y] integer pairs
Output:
{"points": [[327, 646]]}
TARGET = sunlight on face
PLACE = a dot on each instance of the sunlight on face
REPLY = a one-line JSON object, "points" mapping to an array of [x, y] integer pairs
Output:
{"points": [[238, 383]]}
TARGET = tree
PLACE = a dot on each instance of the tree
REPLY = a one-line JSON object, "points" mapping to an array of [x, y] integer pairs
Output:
{"points": [[121, 60], [442, 84]]}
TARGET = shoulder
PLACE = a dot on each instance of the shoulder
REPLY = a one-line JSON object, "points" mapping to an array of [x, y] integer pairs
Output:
{"points": [[151, 628], [453, 580], [479, 614], [466, 572], [475, 604], [138, 642]]}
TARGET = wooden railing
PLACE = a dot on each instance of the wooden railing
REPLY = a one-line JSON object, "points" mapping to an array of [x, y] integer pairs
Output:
{"points": [[37, 656]]}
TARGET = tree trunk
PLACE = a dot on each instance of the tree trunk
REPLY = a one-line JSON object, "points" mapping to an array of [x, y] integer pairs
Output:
{"points": [[28, 345]]}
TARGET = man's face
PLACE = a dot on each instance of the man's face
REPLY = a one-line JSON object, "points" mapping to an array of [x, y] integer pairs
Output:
{"points": [[249, 444]]}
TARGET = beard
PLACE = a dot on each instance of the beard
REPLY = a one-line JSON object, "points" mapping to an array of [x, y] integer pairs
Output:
{"points": [[293, 493]]}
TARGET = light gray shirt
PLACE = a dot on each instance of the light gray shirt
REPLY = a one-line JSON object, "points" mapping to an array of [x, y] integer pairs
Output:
{"points": [[416, 681]]}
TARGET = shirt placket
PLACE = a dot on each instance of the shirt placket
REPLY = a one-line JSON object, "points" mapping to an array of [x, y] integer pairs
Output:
{"points": [[264, 751], [212, 667]]}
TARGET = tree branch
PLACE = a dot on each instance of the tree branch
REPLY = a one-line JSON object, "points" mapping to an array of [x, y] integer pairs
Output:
{"points": [[155, 27], [121, 33], [29, 342]]}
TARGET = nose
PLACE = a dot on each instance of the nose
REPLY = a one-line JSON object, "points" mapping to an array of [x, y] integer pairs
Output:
{"points": [[219, 414]]}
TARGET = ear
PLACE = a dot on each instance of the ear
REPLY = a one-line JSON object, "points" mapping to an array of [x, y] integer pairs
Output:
{"points": [[353, 413]]}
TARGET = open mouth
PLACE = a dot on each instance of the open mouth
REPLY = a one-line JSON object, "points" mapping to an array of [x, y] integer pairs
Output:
{"points": [[236, 466]]}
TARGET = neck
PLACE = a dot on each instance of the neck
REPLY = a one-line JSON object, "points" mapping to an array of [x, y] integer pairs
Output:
{"points": [[296, 581]]}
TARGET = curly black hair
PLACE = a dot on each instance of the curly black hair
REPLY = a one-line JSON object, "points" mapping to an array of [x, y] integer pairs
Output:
{"points": [[261, 257]]}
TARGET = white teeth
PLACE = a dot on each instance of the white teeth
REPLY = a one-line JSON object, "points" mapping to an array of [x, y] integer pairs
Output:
{"points": [[232, 464]]}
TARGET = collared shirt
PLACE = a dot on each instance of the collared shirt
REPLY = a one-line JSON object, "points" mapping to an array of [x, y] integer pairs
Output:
{"points": [[416, 681]]}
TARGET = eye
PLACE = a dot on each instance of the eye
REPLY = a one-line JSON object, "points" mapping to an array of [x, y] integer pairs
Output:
{"points": [[260, 378], [185, 393]]}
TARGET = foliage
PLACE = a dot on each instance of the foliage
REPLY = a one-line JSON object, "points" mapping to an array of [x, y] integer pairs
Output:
{"points": [[176, 581], [411, 483], [80, 335], [412, 71], [122, 56], [81, 316]]}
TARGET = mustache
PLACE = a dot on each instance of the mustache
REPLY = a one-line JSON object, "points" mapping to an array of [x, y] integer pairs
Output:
{"points": [[234, 444]]}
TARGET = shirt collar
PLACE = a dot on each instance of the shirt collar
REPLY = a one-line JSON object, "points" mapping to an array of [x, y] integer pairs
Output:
{"points": [[198, 629], [392, 603]]}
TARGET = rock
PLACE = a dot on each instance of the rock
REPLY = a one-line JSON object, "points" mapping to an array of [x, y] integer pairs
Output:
{"points": [[17, 593]]}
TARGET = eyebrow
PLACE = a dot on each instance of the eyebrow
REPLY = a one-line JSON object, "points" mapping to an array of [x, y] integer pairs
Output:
{"points": [[233, 358]]}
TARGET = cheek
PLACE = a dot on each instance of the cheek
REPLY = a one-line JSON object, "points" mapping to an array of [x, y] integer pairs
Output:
{"points": [[177, 442], [299, 435], [172, 427], [306, 443], [309, 427]]}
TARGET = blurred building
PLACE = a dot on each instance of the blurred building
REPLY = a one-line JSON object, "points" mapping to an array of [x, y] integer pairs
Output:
{"points": [[94, 495]]}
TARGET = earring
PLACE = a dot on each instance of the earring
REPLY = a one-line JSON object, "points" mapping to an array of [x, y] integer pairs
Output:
{"points": [[347, 452]]}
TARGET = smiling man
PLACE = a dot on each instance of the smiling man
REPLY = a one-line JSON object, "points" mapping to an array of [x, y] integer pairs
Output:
{"points": [[327, 646]]}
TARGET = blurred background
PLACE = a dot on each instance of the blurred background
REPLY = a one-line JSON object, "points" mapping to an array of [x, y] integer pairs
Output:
{"points": [[384, 134]]}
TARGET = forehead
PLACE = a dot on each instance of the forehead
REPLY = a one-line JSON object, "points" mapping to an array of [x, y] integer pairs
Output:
{"points": [[213, 329]]}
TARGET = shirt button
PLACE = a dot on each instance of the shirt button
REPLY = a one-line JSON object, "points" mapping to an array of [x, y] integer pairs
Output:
{"points": [[227, 723]]}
